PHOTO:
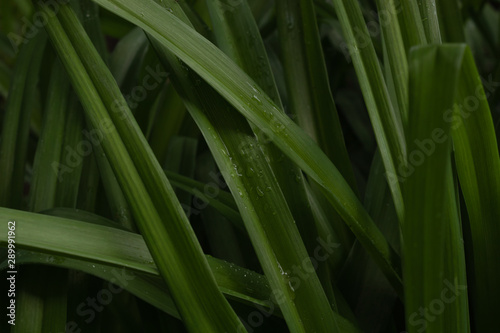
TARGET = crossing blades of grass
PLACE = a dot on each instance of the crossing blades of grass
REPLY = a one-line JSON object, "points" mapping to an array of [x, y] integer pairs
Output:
{"points": [[385, 120], [224, 202], [69, 182], [310, 97], [361, 281], [45, 178], [157, 212], [119, 208], [236, 33], [307, 81], [268, 219], [236, 282], [105, 244], [241, 91]]}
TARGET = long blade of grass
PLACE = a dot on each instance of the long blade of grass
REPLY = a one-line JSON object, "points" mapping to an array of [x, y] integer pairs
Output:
{"points": [[428, 12], [396, 54], [430, 268], [478, 167], [412, 27]]}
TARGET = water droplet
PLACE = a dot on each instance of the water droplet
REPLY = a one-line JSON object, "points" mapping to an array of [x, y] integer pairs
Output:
{"points": [[260, 193], [278, 127], [255, 98], [238, 170], [281, 269], [250, 172], [290, 21]]}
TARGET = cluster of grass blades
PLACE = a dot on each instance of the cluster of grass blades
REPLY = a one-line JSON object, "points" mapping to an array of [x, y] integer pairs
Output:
{"points": [[261, 166]]}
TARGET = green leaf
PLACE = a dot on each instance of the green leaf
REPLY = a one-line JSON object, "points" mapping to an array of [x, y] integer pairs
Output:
{"points": [[396, 55], [478, 167], [412, 27], [434, 265]]}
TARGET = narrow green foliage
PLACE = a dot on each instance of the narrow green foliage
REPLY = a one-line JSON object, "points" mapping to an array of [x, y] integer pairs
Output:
{"points": [[239, 89], [250, 166], [147, 209]]}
